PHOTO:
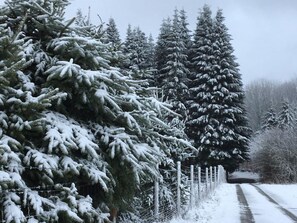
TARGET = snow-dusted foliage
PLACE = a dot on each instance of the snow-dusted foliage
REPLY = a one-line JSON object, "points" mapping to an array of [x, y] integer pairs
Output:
{"points": [[286, 117], [269, 120], [261, 95], [78, 137], [173, 71], [138, 52], [273, 149], [217, 121], [274, 155]]}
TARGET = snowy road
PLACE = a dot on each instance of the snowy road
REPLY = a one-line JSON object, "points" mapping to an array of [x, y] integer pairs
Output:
{"points": [[264, 208], [247, 203]]}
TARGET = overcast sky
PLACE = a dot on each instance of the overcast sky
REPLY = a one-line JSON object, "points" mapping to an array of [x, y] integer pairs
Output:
{"points": [[264, 32]]}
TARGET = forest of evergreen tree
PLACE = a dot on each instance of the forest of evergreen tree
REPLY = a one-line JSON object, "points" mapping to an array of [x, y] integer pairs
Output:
{"points": [[87, 121]]}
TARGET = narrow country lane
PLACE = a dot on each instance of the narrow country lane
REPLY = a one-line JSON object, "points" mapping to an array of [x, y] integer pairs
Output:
{"points": [[246, 203], [264, 209]]}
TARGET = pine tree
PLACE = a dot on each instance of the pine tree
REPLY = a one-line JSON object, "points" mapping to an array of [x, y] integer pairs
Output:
{"points": [[77, 135], [220, 126], [172, 70], [80, 20], [161, 52], [202, 70], [175, 82], [151, 54], [269, 120], [185, 36], [236, 133], [112, 33], [112, 38], [137, 50], [286, 117]]}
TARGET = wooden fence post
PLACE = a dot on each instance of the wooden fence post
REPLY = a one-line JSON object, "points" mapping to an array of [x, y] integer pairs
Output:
{"points": [[211, 183], [156, 199], [178, 202], [199, 184], [215, 176], [192, 186], [206, 179]]}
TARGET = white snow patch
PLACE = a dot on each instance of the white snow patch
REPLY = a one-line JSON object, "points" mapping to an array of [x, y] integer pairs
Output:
{"points": [[285, 195], [216, 208], [262, 209]]}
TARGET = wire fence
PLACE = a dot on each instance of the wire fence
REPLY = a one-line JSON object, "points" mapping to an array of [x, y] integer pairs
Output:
{"points": [[178, 191], [191, 186]]}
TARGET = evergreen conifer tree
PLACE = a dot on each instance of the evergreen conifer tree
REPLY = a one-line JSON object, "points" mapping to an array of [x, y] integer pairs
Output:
{"points": [[161, 52], [112, 33], [185, 36], [286, 117], [175, 82], [173, 70], [269, 120], [113, 40], [77, 136], [220, 126], [137, 50], [202, 68]]}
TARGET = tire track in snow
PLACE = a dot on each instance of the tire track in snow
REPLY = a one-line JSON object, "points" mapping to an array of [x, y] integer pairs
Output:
{"points": [[284, 210], [246, 215]]}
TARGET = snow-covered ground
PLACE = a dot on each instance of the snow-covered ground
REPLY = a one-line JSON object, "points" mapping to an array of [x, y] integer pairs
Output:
{"points": [[285, 195], [223, 205], [262, 209]]}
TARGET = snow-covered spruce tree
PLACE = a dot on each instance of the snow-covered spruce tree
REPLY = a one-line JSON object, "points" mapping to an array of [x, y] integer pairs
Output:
{"points": [[138, 52], [269, 120], [77, 136], [112, 34], [161, 52], [286, 117], [220, 124], [202, 69], [23, 125], [234, 125], [150, 60], [80, 19], [173, 73], [185, 36], [112, 38]]}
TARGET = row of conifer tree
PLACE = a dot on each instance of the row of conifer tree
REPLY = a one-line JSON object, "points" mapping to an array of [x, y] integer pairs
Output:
{"points": [[85, 118]]}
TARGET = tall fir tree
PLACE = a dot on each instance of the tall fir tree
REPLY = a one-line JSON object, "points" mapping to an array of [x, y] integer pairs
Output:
{"points": [[175, 71], [161, 52], [112, 39], [186, 36], [112, 34], [218, 124], [172, 61], [137, 50], [234, 129], [77, 136], [201, 63]]}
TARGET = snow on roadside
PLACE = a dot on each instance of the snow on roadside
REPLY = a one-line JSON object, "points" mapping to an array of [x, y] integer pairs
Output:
{"points": [[221, 207]]}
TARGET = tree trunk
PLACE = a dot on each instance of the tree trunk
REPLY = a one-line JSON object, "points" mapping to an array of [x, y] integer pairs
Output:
{"points": [[113, 214]]}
